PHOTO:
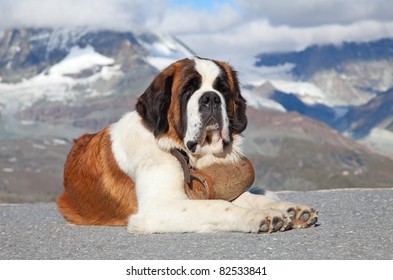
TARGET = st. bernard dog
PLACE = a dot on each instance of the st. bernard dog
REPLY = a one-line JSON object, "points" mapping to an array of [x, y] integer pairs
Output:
{"points": [[126, 175]]}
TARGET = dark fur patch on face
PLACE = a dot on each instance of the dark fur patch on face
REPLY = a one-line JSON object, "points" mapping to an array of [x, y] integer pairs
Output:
{"points": [[227, 83], [191, 84], [154, 103], [222, 86]]}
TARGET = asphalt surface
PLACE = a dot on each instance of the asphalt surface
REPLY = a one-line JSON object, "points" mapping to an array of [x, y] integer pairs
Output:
{"points": [[353, 224]]}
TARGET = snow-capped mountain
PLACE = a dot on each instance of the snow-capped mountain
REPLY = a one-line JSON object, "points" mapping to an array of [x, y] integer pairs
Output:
{"points": [[348, 74], [56, 84], [371, 123], [333, 84], [51, 74]]}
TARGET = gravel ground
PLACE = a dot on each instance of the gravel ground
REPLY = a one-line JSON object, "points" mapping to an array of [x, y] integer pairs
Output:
{"points": [[353, 224]]}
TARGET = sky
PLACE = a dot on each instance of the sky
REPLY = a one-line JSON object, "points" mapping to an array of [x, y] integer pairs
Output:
{"points": [[222, 29]]}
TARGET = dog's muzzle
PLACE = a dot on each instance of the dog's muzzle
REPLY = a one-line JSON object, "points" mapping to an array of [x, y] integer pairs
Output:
{"points": [[211, 132]]}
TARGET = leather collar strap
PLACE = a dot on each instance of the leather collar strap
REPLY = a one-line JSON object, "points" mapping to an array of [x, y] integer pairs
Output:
{"points": [[182, 157]]}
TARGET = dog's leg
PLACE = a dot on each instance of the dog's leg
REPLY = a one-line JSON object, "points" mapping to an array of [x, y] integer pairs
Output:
{"points": [[301, 215], [206, 216], [164, 207]]}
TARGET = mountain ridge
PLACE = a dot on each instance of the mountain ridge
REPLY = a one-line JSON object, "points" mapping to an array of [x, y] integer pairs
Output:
{"points": [[319, 57], [356, 81]]}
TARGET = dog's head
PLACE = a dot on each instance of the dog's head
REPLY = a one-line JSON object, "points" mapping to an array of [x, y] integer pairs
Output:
{"points": [[196, 104]]}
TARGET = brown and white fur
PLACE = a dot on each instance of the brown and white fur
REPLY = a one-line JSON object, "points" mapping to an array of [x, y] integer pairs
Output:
{"points": [[126, 175]]}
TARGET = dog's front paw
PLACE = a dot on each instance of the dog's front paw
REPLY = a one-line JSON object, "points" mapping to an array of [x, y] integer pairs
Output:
{"points": [[270, 221], [302, 216]]}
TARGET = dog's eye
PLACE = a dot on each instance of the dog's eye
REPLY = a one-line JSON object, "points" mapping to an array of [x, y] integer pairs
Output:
{"points": [[190, 88], [223, 89]]}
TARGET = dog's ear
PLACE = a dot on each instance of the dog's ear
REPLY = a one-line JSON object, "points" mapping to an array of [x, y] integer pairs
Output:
{"points": [[153, 104], [240, 118]]}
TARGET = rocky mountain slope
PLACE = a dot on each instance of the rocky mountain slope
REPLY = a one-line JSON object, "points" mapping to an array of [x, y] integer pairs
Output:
{"points": [[348, 74], [349, 88], [78, 77], [291, 151], [56, 84]]}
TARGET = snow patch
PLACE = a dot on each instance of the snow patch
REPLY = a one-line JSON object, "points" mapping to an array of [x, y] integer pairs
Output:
{"points": [[60, 38], [58, 141], [54, 85], [252, 75], [164, 51], [108, 72], [160, 63], [281, 78], [382, 135], [259, 102], [80, 59], [308, 92], [8, 170], [27, 123], [39, 146], [380, 140]]}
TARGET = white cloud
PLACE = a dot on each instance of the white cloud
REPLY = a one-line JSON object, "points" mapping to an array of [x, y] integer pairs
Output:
{"points": [[318, 12], [246, 27], [116, 14], [257, 36], [184, 20], [238, 29]]}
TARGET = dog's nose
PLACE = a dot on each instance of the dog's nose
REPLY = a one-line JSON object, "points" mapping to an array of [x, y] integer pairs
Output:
{"points": [[210, 100]]}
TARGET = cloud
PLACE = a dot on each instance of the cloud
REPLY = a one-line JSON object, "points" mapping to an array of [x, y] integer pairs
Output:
{"points": [[114, 14], [286, 25], [317, 12], [184, 20], [235, 29], [259, 36]]}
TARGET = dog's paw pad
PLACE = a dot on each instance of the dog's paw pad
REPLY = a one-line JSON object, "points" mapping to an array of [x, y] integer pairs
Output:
{"points": [[277, 224], [299, 215], [264, 226], [277, 221], [291, 212], [305, 217]]}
